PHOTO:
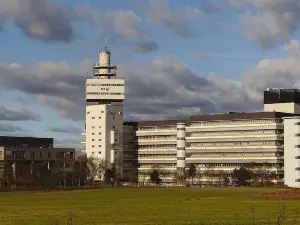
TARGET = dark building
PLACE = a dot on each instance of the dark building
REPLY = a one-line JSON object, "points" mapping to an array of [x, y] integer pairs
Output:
{"points": [[273, 96], [26, 142]]}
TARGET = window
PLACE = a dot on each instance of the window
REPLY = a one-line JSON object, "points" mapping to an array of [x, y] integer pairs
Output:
{"points": [[32, 155], [93, 117], [60, 155], [49, 155], [99, 152], [99, 117], [93, 126], [88, 112], [99, 145], [41, 155], [99, 127], [99, 133], [114, 127], [102, 111], [93, 146], [71, 155], [99, 139], [19, 154], [93, 133], [93, 139], [114, 118]]}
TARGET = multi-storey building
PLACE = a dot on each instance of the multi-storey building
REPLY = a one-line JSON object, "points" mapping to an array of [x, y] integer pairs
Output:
{"points": [[104, 113], [210, 142], [213, 143], [30, 142], [19, 155]]}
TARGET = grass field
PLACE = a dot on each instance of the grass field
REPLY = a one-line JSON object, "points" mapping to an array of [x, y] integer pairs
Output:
{"points": [[145, 206]]}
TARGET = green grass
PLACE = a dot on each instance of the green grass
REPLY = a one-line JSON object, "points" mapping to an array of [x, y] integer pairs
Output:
{"points": [[144, 206]]}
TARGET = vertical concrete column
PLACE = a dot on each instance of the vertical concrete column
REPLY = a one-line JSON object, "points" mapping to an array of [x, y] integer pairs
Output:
{"points": [[181, 147]]}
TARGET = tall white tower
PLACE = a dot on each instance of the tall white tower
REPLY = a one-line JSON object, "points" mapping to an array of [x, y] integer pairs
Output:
{"points": [[104, 113]]}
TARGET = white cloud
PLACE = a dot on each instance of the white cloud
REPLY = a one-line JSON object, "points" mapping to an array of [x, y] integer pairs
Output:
{"points": [[275, 21], [17, 114], [41, 19]]}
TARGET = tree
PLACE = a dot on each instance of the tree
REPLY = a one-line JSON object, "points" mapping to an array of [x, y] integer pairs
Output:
{"points": [[110, 176], [222, 178], [261, 174], [199, 178], [155, 177], [241, 176], [209, 174], [95, 169], [80, 170], [192, 172]]}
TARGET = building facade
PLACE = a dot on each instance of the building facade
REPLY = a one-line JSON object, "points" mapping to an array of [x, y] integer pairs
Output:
{"points": [[292, 152], [26, 142], [215, 144], [103, 136]]}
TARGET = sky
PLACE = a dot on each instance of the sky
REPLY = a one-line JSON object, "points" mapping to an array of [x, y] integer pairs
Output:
{"points": [[178, 58]]}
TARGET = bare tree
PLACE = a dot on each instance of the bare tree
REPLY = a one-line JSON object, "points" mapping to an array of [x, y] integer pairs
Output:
{"points": [[222, 178], [192, 172], [199, 178], [181, 177], [209, 175], [80, 170], [95, 169], [262, 174]]}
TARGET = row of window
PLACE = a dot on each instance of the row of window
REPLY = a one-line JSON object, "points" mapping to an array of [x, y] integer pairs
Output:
{"points": [[165, 146], [22, 155], [104, 93], [156, 155], [156, 137], [238, 143], [158, 128], [222, 122], [214, 154], [211, 174], [106, 85], [205, 165], [212, 123], [90, 112], [93, 146], [232, 133]]}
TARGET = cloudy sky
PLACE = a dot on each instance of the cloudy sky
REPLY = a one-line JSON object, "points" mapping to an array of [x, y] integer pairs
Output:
{"points": [[178, 58]]}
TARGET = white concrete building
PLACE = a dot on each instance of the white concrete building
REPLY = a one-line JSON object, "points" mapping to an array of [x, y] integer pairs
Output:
{"points": [[215, 144], [103, 137], [292, 152]]}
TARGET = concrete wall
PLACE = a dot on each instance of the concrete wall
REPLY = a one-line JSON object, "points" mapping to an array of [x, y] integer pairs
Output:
{"points": [[291, 151], [290, 107]]}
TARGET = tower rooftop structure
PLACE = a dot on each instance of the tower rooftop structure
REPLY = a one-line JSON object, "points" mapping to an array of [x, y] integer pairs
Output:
{"points": [[104, 89], [103, 68], [104, 113]]}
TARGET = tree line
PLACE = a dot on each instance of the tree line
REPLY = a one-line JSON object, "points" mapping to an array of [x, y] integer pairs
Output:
{"points": [[251, 174], [41, 175], [88, 171]]}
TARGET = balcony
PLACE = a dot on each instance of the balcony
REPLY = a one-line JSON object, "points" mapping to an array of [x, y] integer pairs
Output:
{"points": [[245, 127], [259, 137]]}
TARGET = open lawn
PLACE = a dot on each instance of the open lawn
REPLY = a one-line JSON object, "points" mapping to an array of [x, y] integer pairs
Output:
{"points": [[146, 206]]}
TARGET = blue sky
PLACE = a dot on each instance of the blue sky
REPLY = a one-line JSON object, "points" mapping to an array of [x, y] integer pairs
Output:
{"points": [[222, 39]]}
